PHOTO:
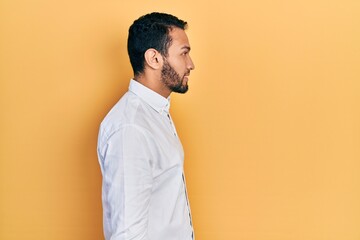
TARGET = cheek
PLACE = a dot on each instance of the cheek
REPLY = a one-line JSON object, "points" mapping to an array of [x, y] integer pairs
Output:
{"points": [[179, 65]]}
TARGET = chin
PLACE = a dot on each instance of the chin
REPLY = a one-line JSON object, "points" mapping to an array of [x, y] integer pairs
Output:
{"points": [[184, 89]]}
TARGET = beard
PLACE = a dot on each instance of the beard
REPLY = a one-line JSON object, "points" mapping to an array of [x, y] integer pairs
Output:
{"points": [[172, 79]]}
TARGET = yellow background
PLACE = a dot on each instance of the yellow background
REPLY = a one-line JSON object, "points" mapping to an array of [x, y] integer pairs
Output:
{"points": [[270, 126]]}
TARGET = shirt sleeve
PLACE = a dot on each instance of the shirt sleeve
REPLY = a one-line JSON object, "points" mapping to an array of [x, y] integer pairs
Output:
{"points": [[128, 182]]}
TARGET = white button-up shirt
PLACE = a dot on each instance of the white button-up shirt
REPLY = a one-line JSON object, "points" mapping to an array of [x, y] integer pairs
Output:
{"points": [[141, 159]]}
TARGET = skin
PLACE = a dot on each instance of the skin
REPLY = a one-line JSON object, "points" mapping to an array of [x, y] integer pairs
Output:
{"points": [[171, 73]]}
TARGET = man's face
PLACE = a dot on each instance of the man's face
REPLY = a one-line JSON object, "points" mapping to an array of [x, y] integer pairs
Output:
{"points": [[178, 64]]}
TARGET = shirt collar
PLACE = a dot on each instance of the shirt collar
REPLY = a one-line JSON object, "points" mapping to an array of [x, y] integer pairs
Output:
{"points": [[155, 100]]}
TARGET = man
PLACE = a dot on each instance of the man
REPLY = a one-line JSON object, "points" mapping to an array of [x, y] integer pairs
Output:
{"points": [[140, 154]]}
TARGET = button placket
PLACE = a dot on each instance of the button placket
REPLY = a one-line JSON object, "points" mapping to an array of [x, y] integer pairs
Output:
{"points": [[171, 123]]}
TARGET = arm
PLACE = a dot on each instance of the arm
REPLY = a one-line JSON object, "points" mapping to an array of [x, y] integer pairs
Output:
{"points": [[128, 180]]}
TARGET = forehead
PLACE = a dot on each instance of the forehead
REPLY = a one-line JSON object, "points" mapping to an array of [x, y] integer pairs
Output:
{"points": [[179, 38]]}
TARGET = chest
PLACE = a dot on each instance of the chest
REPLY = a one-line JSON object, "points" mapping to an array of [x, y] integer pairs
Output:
{"points": [[167, 150]]}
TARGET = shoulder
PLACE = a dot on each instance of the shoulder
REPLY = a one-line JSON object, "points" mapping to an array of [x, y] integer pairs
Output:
{"points": [[128, 112]]}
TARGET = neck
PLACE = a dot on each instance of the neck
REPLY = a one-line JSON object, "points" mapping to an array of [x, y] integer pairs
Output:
{"points": [[154, 84]]}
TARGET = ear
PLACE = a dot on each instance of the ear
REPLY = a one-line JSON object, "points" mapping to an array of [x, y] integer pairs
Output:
{"points": [[153, 58]]}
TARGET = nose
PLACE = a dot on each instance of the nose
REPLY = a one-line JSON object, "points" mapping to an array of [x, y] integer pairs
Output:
{"points": [[191, 65]]}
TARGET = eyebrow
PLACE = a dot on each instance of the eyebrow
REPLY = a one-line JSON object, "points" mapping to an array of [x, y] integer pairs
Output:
{"points": [[186, 47]]}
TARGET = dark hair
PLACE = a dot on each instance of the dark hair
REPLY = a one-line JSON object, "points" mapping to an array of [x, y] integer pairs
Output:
{"points": [[150, 31]]}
